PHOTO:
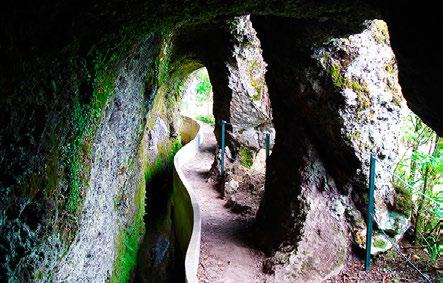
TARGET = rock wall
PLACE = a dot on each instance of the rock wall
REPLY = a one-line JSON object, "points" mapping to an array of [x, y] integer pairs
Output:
{"points": [[250, 108], [372, 115], [110, 203], [83, 215], [321, 244], [335, 102], [58, 72], [158, 258], [249, 118]]}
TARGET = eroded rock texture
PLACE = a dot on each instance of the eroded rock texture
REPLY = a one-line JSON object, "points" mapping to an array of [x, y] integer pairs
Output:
{"points": [[60, 63], [241, 99], [250, 108], [346, 103], [115, 177]]}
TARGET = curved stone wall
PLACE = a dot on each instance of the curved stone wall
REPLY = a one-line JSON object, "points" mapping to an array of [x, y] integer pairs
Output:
{"points": [[186, 211]]}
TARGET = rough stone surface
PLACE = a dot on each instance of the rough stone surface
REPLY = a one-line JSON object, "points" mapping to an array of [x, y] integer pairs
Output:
{"points": [[323, 245], [345, 103], [47, 61], [250, 107], [156, 137], [244, 188], [92, 255], [364, 68], [250, 118]]}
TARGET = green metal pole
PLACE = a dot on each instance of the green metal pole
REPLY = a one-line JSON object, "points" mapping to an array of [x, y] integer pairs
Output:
{"points": [[267, 144], [370, 213], [222, 165]]}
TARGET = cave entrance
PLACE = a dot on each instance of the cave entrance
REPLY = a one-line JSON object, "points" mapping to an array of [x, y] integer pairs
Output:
{"points": [[161, 257], [197, 97], [227, 212]]}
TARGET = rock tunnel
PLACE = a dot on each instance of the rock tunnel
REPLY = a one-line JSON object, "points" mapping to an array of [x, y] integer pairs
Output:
{"points": [[90, 119]]}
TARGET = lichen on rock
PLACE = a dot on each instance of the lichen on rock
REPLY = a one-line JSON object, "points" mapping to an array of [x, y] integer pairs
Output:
{"points": [[250, 106], [334, 109], [373, 108], [116, 170]]}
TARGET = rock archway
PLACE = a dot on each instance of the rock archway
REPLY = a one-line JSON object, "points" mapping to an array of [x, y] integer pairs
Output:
{"points": [[67, 67]]}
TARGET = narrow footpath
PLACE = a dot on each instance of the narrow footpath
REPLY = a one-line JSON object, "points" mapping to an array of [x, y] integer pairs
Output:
{"points": [[225, 254]]}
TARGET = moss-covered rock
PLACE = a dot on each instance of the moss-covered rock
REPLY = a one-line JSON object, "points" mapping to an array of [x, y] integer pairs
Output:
{"points": [[246, 157], [57, 80], [403, 200], [361, 68]]}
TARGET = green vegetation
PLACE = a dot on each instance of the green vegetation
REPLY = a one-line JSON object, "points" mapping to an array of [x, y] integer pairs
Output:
{"points": [[209, 119], [129, 237], [354, 135], [360, 89], [403, 200], [199, 103], [257, 84], [381, 244], [204, 88], [419, 176], [382, 33], [164, 159], [246, 157], [337, 78], [85, 119], [129, 240], [165, 100]]}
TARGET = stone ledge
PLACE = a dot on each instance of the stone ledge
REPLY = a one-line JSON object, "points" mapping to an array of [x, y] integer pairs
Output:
{"points": [[189, 230]]}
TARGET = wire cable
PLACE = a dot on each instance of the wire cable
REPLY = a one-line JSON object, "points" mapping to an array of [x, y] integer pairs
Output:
{"points": [[397, 249]]}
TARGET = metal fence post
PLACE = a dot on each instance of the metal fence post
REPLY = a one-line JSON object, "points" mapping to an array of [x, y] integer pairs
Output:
{"points": [[370, 213], [222, 165], [267, 144]]}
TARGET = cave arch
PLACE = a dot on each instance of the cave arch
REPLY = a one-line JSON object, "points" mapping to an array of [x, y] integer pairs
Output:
{"points": [[59, 49]]}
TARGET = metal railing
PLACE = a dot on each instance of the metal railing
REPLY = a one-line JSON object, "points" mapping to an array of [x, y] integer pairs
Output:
{"points": [[370, 222]]}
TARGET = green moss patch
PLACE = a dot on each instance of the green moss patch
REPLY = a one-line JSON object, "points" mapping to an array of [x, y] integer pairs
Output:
{"points": [[246, 157], [337, 78], [403, 200], [381, 244], [86, 119], [129, 241], [381, 34], [210, 120], [258, 84], [354, 135], [360, 88]]}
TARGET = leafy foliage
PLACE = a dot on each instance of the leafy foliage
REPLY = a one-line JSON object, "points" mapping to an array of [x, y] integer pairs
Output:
{"points": [[203, 89], [420, 173], [246, 157], [209, 119]]}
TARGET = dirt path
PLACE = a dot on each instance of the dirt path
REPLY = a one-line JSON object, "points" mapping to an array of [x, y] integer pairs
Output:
{"points": [[225, 254]]}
